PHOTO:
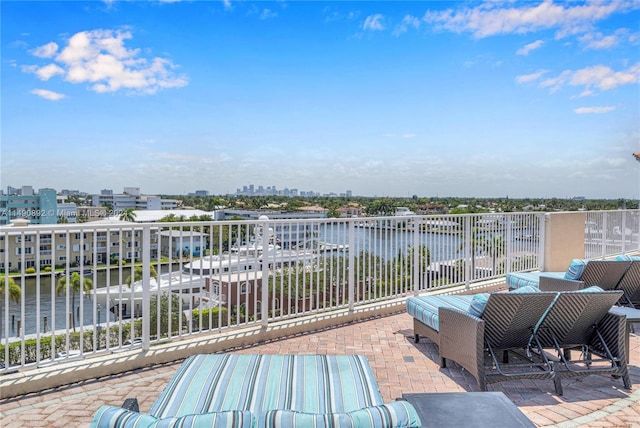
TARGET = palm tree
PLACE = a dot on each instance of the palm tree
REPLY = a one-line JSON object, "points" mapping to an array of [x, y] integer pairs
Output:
{"points": [[484, 243], [14, 290], [76, 283], [127, 214], [137, 274], [15, 293]]}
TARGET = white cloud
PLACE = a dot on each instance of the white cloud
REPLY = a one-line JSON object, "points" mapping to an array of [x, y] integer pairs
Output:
{"points": [[408, 21], [45, 51], [597, 77], [100, 57], [530, 47], [268, 13], [48, 95], [227, 4], [604, 78], [48, 71], [489, 19], [556, 83], [526, 78], [373, 22], [597, 110], [600, 41]]}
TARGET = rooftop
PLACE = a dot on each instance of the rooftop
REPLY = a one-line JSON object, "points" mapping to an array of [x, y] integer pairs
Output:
{"points": [[400, 365]]}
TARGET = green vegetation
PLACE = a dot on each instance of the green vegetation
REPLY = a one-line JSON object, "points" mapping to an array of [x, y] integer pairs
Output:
{"points": [[420, 205], [75, 284]]}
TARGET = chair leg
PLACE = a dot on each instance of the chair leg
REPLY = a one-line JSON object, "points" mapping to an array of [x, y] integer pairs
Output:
{"points": [[627, 380], [558, 385], [443, 362], [416, 338]]}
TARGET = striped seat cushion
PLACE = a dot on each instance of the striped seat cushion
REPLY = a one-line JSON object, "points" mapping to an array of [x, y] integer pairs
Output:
{"points": [[523, 279], [397, 414], [117, 417], [627, 258], [425, 308], [304, 383]]}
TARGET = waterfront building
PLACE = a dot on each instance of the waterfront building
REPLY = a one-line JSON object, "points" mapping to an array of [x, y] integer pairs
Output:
{"points": [[40, 208], [287, 235], [131, 198], [62, 248]]}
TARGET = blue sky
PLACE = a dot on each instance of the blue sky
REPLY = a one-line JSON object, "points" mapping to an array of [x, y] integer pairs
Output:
{"points": [[519, 99]]}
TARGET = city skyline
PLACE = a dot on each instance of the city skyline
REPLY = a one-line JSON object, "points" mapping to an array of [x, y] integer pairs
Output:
{"points": [[526, 99]]}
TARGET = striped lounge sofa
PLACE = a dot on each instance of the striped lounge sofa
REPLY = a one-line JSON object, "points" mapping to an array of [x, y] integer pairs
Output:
{"points": [[238, 390], [579, 274], [525, 321]]}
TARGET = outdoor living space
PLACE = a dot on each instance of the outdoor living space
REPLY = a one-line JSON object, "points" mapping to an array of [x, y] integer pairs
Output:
{"points": [[293, 302], [400, 366]]}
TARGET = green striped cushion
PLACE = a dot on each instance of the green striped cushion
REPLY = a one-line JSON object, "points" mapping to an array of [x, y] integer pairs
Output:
{"points": [[575, 269], [479, 301], [117, 417], [526, 289], [305, 383], [627, 258], [517, 280], [426, 308], [396, 414]]}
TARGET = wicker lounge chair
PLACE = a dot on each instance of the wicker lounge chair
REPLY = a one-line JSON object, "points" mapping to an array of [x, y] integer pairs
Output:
{"points": [[582, 320], [606, 274], [506, 324], [243, 390], [630, 286]]}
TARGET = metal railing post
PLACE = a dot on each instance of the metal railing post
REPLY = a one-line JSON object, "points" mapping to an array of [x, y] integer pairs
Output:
{"points": [[468, 248], [417, 275], [264, 298], [509, 245], [623, 231], [146, 278], [351, 284], [603, 250]]}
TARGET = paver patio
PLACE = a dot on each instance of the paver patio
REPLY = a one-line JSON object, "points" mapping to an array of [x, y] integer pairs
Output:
{"points": [[400, 366]]}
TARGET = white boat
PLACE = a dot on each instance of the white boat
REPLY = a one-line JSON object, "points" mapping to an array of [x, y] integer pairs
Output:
{"points": [[328, 246]]}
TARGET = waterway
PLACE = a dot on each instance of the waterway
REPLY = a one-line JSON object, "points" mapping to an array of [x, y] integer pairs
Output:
{"points": [[55, 310]]}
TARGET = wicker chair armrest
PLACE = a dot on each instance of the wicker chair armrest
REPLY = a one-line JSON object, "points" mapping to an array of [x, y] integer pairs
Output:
{"points": [[548, 283], [462, 339], [131, 404]]}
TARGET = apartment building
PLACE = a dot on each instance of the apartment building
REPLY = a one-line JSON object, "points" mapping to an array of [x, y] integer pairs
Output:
{"points": [[24, 203], [131, 198], [287, 235], [68, 247]]}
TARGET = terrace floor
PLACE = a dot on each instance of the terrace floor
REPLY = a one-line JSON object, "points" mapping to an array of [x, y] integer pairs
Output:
{"points": [[400, 366]]}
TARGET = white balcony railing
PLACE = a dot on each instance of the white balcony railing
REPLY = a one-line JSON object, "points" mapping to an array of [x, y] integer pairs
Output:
{"points": [[197, 278]]}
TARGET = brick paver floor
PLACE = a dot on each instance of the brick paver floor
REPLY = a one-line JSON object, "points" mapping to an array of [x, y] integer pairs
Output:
{"points": [[400, 366]]}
